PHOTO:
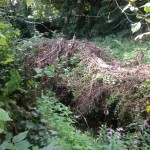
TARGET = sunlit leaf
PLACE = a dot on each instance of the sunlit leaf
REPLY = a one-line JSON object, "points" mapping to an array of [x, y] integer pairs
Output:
{"points": [[127, 7], [8, 60], [4, 115], [148, 109], [134, 9], [147, 7], [29, 2], [139, 16], [3, 43], [135, 27], [3, 3]]}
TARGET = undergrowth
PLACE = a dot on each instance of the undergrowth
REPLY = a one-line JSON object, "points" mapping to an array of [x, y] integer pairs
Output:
{"points": [[123, 49], [51, 125], [60, 120]]}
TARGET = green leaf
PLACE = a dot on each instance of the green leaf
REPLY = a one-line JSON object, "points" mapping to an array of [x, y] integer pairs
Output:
{"points": [[78, 147], [35, 148], [51, 68], [4, 115], [135, 27], [3, 43], [30, 124], [138, 16], [29, 2], [13, 84], [49, 147], [8, 137], [6, 145], [147, 7], [8, 60], [134, 9], [20, 137], [3, 3], [50, 71], [38, 70], [1, 126], [23, 145]]}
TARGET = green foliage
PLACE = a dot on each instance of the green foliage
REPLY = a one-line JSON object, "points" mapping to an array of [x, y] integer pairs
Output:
{"points": [[147, 7], [19, 142], [56, 130], [39, 10], [49, 71], [59, 119], [13, 84], [140, 137], [111, 139], [144, 89], [135, 27], [29, 2], [84, 19], [7, 40], [3, 3], [123, 49], [142, 14], [4, 117], [16, 142], [121, 139]]}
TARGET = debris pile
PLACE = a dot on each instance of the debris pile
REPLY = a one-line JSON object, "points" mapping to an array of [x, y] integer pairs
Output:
{"points": [[86, 78]]}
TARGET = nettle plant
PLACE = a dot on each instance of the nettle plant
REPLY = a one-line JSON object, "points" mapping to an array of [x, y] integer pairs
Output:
{"points": [[142, 14]]}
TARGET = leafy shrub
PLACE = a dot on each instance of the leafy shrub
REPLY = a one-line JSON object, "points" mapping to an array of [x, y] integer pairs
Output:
{"points": [[7, 41]]}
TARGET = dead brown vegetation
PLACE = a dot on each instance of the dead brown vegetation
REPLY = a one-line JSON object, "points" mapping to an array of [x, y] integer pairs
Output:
{"points": [[88, 85]]}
